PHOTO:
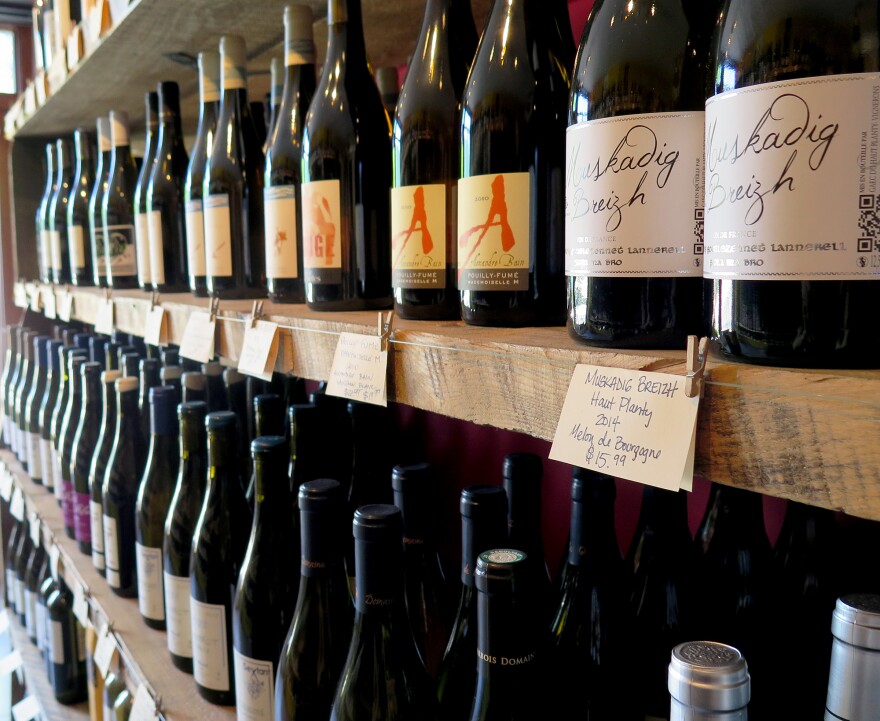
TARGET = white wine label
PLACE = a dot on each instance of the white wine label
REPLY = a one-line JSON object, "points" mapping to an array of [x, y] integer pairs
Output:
{"points": [[19, 597], [45, 249], [56, 642], [30, 612], [46, 463], [151, 598], [792, 189], [76, 235], [218, 236], [322, 229], [96, 522], [56, 471], [156, 245], [27, 709], [210, 649], [279, 212], [142, 246], [111, 552], [494, 242], [177, 609], [119, 250], [254, 688], [634, 196], [35, 459], [418, 236], [195, 237], [54, 250]]}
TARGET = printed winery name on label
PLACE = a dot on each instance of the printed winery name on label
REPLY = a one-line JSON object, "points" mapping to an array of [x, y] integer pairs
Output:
{"points": [[254, 688], [279, 212], [218, 236], [418, 236], [322, 232]]}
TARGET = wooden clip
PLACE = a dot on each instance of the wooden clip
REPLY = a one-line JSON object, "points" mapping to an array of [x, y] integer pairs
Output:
{"points": [[257, 312], [697, 353], [108, 293], [214, 308], [386, 320], [154, 299]]}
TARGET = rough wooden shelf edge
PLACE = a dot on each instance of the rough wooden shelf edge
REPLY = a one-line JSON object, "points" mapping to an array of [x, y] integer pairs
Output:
{"points": [[144, 650], [806, 435]]}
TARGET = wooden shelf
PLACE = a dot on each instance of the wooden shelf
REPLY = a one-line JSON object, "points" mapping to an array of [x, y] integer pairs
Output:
{"points": [[144, 650], [812, 436]]}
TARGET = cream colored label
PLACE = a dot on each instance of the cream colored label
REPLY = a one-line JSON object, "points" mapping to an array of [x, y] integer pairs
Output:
{"points": [[111, 552], [254, 688], [35, 465], [791, 180], [54, 250], [259, 350], [76, 242], [156, 245], [210, 649], [177, 609], [46, 249], [494, 247], [151, 600], [195, 237], [56, 642], [418, 236], [119, 244], [96, 513], [46, 463], [634, 196], [279, 212], [218, 236], [142, 246], [322, 241]]}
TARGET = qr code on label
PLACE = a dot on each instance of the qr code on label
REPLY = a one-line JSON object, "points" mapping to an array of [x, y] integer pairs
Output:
{"points": [[869, 223]]}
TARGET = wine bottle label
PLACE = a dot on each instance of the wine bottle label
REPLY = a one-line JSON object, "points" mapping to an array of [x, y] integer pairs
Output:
{"points": [[111, 552], [46, 463], [119, 245], [151, 599], [34, 457], [156, 243], [10, 587], [494, 243], [40, 624], [54, 250], [67, 510], [96, 512], [279, 213], [19, 596], [418, 236], [77, 246], [100, 259], [30, 612], [254, 688], [322, 241], [82, 519], [142, 248], [56, 642], [177, 609], [209, 641], [218, 236], [634, 196], [59, 480], [195, 237], [45, 249], [774, 153]]}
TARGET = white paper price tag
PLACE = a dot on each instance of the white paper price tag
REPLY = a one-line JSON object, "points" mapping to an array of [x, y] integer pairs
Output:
{"points": [[65, 306], [4, 621], [11, 662], [35, 300], [155, 330], [19, 295], [26, 710], [81, 605], [359, 369], [198, 337], [16, 505], [630, 424], [105, 647], [104, 317], [5, 484], [143, 708], [50, 307], [259, 350], [36, 536], [54, 561]]}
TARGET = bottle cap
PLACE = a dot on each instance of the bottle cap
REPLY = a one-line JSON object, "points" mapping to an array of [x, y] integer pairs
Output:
{"points": [[110, 376], [151, 105], [481, 499], [64, 150], [96, 349], [192, 409], [118, 128], [90, 368], [209, 76], [194, 380], [522, 466], [590, 484], [149, 366], [299, 43], [219, 420], [170, 357], [314, 495], [233, 56], [711, 676], [105, 142], [52, 354], [170, 373], [41, 343], [126, 384], [855, 658], [269, 445], [231, 376], [82, 140], [378, 522], [162, 416], [212, 368], [169, 99], [130, 363], [81, 340], [498, 569]]}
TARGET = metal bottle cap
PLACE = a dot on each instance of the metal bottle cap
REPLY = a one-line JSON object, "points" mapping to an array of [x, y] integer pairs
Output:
{"points": [[710, 676], [854, 677]]}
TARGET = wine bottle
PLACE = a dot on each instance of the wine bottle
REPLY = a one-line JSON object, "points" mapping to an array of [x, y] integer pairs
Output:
{"points": [[592, 627], [276, 90], [266, 590], [96, 203], [57, 429], [69, 427], [166, 226], [141, 197], [117, 209], [214, 388], [315, 648], [346, 176], [258, 113], [15, 374], [22, 554], [389, 87], [122, 705], [510, 195], [483, 511], [9, 560], [195, 386], [22, 384], [47, 588], [44, 242], [83, 453], [153, 501], [47, 406], [148, 374], [171, 376], [32, 406], [708, 680], [383, 654], [218, 549], [97, 353], [58, 241], [36, 571], [98, 467], [269, 421], [180, 523], [81, 273], [125, 467], [233, 188], [114, 685], [282, 199], [4, 385], [209, 102], [426, 593], [67, 672], [425, 146], [783, 75]]}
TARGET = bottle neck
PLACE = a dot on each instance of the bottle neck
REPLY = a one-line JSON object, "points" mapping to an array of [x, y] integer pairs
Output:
{"points": [[592, 534], [507, 641], [346, 32], [127, 416], [109, 401], [321, 546], [223, 466]]}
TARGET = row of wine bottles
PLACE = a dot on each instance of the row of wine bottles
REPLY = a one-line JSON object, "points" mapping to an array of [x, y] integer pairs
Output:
{"points": [[472, 200]]}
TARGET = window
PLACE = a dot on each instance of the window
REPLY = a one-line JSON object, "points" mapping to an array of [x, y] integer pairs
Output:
{"points": [[8, 83]]}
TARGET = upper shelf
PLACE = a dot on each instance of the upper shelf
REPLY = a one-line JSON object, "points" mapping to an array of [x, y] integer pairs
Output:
{"points": [[812, 436]]}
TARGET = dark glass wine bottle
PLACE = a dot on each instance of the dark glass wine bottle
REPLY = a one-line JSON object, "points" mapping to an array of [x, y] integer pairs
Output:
{"points": [[114, 685], [170, 376], [22, 390], [214, 388], [233, 188], [69, 428], [511, 192], [98, 467], [14, 383], [140, 197], [636, 140], [314, 651], [389, 86], [32, 406], [67, 667], [117, 209], [79, 245], [258, 113], [383, 654], [125, 467], [9, 560], [153, 501], [22, 554], [48, 404], [209, 103], [35, 568], [10, 344], [194, 386], [796, 291], [180, 523], [148, 378], [165, 200], [346, 176], [59, 248], [425, 146], [269, 421], [44, 243], [43, 581], [101, 274], [282, 201], [218, 548], [59, 414], [267, 587], [47, 588], [83, 453]]}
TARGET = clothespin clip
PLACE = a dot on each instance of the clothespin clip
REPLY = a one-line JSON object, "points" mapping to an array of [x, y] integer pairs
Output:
{"points": [[256, 312], [697, 353], [154, 299], [386, 321], [108, 293], [214, 308]]}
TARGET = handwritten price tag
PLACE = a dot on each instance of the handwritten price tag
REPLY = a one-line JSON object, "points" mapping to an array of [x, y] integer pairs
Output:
{"points": [[143, 708], [105, 647], [54, 561], [16, 505], [36, 536], [19, 295], [50, 307], [359, 369], [198, 337], [155, 329], [26, 710], [631, 424], [65, 306], [104, 317], [5, 484], [81, 605], [35, 300], [259, 349]]}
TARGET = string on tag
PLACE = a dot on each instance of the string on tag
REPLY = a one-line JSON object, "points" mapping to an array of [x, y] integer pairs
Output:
{"points": [[697, 354]]}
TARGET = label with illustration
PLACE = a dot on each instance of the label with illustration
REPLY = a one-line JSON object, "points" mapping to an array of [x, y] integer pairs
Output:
{"points": [[418, 236], [322, 242]]}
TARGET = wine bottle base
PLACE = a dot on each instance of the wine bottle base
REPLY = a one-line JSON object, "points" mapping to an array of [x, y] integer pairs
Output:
{"points": [[182, 662], [85, 547], [218, 698], [153, 623]]}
